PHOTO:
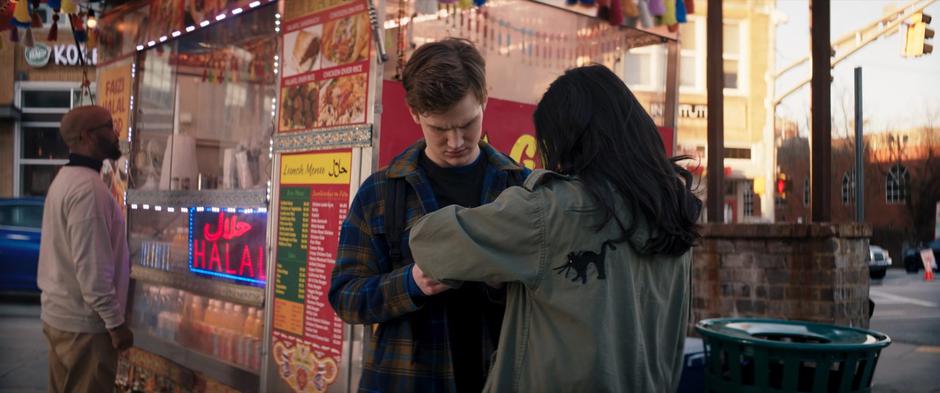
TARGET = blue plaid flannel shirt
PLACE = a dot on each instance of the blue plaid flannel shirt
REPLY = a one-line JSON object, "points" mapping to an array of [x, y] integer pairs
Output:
{"points": [[408, 350]]}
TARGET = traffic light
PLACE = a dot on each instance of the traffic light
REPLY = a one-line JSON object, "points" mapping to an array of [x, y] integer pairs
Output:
{"points": [[915, 41], [784, 185]]}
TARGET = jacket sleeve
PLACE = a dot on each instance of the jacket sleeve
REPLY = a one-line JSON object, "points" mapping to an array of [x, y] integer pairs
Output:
{"points": [[360, 292], [89, 229], [502, 241]]}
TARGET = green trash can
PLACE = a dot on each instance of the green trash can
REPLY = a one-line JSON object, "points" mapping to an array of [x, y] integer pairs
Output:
{"points": [[772, 356]]}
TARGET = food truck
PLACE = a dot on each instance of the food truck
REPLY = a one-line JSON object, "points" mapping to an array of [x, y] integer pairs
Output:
{"points": [[247, 127]]}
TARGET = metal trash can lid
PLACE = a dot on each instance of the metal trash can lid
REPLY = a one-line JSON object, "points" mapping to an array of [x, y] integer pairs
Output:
{"points": [[792, 334]]}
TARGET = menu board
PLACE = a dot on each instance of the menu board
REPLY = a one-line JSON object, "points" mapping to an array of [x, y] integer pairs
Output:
{"points": [[312, 204], [325, 76]]}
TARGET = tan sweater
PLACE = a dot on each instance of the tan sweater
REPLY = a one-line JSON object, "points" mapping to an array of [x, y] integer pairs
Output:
{"points": [[83, 258]]}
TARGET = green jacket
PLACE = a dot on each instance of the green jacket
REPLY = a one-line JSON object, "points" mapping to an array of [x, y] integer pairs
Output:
{"points": [[564, 331]]}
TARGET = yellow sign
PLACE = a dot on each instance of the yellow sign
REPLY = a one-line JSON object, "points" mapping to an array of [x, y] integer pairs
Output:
{"points": [[114, 93], [316, 168]]}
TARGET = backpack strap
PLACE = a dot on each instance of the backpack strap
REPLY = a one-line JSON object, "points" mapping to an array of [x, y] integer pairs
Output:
{"points": [[395, 216]]}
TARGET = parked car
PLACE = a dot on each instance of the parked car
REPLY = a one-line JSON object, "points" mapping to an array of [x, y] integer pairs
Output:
{"points": [[20, 224], [878, 261], [912, 261]]}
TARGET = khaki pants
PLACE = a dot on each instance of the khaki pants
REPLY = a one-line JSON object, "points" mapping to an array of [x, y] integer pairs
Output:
{"points": [[80, 362]]}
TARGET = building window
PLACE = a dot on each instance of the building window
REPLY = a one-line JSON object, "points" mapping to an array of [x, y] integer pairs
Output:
{"points": [[732, 152], [689, 46], [643, 67], [39, 149], [638, 69], [731, 39], [848, 188], [748, 199], [806, 191], [896, 184]]}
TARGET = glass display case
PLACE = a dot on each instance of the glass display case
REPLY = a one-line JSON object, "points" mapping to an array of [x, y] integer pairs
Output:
{"points": [[197, 196]]}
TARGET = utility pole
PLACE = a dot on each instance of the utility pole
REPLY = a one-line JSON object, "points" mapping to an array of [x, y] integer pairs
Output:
{"points": [[859, 150], [844, 47], [715, 82], [820, 101]]}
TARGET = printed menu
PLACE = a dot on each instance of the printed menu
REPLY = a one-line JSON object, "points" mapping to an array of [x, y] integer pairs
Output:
{"points": [[325, 76], [313, 202]]}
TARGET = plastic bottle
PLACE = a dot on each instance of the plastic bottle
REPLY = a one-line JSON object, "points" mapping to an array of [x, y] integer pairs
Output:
{"points": [[259, 324], [246, 344], [249, 323], [256, 339], [211, 341], [211, 313], [232, 316]]}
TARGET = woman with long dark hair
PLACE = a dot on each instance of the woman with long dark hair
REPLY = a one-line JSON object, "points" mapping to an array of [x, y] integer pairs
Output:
{"points": [[595, 251]]}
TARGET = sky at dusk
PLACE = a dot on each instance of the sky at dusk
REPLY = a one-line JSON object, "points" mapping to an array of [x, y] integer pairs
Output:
{"points": [[898, 92]]}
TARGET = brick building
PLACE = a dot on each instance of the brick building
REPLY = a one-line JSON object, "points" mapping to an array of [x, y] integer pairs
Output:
{"points": [[901, 189]]}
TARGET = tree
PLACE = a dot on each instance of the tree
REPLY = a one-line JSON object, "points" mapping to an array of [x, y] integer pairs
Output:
{"points": [[918, 153]]}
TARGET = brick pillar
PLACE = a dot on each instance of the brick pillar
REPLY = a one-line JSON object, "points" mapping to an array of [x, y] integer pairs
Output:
{"points": [[809, 272]]}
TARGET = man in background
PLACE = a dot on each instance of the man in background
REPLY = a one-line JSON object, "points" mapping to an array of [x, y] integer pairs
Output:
{"points": [[83, 261]]}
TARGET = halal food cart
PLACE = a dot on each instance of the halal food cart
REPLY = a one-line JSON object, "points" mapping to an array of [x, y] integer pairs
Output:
{"points": [[250, 125]]}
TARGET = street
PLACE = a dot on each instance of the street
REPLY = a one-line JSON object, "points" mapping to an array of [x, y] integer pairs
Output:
{"points": [[907, 309]]}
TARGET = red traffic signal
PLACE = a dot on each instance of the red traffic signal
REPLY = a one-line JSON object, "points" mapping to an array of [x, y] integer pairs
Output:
{"points": [[783, 185]]}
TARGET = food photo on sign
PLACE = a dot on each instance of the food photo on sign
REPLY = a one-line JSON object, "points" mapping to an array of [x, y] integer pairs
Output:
{"points": [[343, 100], [302, 50], [300, 106], [346, 40]]}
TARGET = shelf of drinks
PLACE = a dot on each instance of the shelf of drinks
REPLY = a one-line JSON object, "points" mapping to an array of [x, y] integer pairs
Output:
{"points": [[214, 288], [151, 199], [227, 373]]}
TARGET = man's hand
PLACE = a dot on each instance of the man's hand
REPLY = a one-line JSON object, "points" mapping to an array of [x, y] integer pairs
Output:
{"points": [[121, 337], [428, 285]]}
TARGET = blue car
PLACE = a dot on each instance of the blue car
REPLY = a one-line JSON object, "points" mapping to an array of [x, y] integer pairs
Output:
{"points": [[20, 224]]}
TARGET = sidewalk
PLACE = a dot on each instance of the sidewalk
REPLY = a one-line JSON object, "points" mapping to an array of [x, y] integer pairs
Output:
{"points": [[906, 368], [23, 367]]}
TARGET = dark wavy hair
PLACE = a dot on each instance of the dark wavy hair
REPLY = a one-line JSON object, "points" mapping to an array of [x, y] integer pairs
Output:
{"points": [[439, 74], [588, 124]]}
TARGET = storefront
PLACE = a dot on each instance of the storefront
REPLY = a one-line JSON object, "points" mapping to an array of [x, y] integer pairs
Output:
{"points": [[38, 85], [250, 127]]}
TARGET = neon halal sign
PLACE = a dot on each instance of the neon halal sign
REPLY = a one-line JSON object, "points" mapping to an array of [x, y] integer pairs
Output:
{"points": [[228, 244]]}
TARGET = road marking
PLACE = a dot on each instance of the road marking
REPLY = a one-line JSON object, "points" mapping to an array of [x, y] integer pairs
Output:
{"points": [[901, 314], [926, 349], [880, 297]]}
